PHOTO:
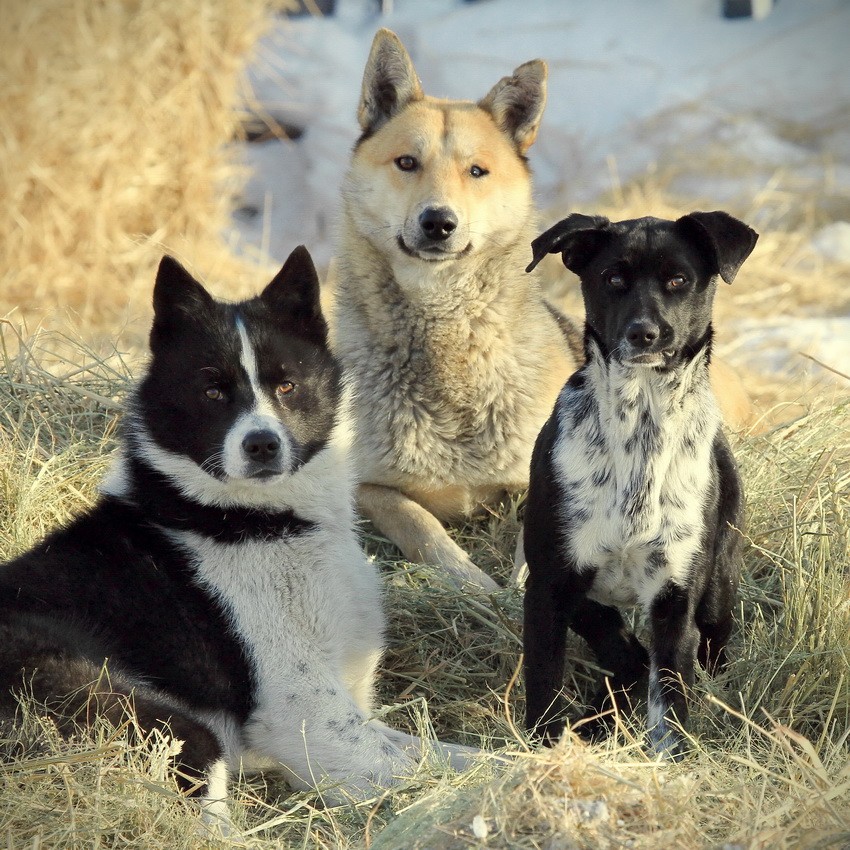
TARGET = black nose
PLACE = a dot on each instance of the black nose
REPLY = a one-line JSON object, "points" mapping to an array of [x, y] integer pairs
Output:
{"points": [[262, 446], [438, 223], [642, 333]]}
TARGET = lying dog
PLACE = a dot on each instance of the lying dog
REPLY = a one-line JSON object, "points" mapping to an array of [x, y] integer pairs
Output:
{"points": [[634, 494], [219, 579], [455, 354]]}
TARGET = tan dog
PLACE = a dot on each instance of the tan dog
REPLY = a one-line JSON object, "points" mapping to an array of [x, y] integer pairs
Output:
{"points": [[455, 354]]}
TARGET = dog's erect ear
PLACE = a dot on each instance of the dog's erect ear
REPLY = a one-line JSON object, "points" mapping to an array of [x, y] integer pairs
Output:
{"points": [[389, 82], [577, 238], [176, 293], [293, 294], [730, 241], [517, 102]]}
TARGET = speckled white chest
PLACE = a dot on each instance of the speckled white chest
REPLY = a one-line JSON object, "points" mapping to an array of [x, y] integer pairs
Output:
{"points": [[633, 458]]}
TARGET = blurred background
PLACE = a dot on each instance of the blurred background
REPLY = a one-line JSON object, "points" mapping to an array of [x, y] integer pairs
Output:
{"points": [[219, 131]]}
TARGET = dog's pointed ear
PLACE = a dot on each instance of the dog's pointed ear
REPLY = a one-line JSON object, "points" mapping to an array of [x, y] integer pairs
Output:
{"points": [[176, 294], [517, 103], [389, 82], [728, 240], [577, 238], [294, 295]]}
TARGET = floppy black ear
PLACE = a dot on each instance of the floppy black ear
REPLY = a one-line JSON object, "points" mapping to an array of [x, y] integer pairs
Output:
{"points": [[517, 102], [389, 82], [577, 237], [176, 294], [293, 295], [728, 240]]}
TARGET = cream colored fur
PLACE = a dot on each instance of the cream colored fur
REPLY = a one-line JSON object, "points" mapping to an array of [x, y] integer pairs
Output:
{"points": [[456, 361]]}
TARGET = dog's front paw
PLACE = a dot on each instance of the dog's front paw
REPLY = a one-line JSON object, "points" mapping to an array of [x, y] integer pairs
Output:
{"points": [[467, 575], [667, 742], [474, 578]]}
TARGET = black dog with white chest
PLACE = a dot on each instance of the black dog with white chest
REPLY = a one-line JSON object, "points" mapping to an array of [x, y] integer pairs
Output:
{"points": [[635, 496]]}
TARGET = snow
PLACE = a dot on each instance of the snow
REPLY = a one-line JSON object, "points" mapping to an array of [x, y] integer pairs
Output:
{"points": [[798, 348], [833, 242], [633, 84]]}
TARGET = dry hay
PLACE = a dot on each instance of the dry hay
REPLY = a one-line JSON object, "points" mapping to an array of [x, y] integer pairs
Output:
{"points": [[117, 115], [771, 736]]}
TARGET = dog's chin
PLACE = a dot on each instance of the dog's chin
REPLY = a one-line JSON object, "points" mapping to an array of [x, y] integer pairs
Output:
{"points": [[257, 477], [432, 254], [649, 359], [266, 475]]}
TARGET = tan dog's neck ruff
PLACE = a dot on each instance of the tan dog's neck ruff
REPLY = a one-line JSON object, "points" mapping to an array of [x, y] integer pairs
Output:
{"points": [[455, 375]]}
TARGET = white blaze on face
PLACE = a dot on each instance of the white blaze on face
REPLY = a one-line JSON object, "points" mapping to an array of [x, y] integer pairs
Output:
{"points": [[261, 415]]}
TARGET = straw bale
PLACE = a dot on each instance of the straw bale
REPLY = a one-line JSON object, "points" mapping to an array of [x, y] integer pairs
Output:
{"points": [[117, 115]]}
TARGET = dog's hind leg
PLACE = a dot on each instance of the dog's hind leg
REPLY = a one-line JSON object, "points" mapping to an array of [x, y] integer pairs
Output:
{"points": [[419, 534], [617, 650], [715, 608], [38, 661]]}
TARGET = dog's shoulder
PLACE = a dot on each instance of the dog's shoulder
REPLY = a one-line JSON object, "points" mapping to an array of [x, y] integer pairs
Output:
{"points": [[103, 546]]}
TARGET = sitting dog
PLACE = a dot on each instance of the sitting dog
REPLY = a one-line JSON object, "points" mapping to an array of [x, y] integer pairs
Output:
{"points": [[219, 580], [634, 490]]}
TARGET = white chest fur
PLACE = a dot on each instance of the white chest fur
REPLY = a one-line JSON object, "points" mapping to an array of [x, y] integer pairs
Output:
{"points": [[633, 458], [312, 599]]}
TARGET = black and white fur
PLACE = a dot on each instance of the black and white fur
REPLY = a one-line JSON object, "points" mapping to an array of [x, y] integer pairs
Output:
{"points": [[219, 579], [635, 496]]}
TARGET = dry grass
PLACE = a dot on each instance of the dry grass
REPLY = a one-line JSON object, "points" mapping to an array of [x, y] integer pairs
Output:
{"points": [[116, 121], [114, 138], [770, 766]]}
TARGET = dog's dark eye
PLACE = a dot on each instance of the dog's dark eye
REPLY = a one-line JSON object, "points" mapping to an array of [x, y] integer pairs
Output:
{"points": [[214, 393], [478, 171], [615, 280], [285, 388], [407, 163], [677, 282]]}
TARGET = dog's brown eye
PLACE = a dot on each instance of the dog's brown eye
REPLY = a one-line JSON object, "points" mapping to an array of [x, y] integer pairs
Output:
{"points": [[407, 163], [285, 388], [214, 393], [617, 281], [478, 171], [676, 282]]}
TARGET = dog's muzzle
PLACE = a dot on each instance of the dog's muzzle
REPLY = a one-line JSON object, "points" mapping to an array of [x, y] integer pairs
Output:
{"points": [[261, 450]]}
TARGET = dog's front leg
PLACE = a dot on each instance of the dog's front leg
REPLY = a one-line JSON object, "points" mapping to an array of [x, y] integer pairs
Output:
{"points": [[549, 606], [309, 724], [671, 667], [457, 756], [419, 534], [617, 650]]}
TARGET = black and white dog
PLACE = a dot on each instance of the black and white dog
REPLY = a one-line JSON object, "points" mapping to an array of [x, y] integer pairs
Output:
{"points": [[219, 580], [634, 490]]}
